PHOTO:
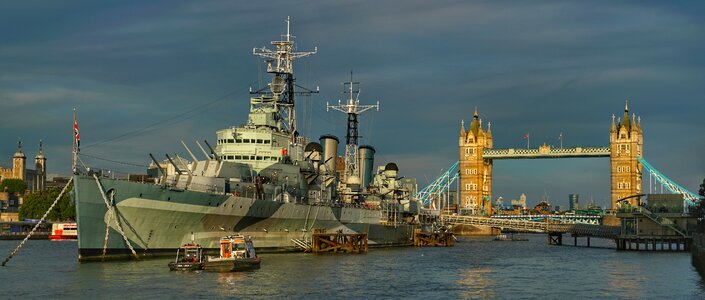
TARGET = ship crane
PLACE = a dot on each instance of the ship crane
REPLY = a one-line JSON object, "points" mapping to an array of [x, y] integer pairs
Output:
{"points": [[352, 108], [282, 87]]}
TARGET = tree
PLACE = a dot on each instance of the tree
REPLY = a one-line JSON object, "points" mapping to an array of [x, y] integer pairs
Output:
{"points": [[701, 205], [37, 203], [13, 185]]}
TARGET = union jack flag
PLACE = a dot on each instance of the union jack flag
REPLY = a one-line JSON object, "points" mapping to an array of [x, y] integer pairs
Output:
{"points": [[76, 135]]}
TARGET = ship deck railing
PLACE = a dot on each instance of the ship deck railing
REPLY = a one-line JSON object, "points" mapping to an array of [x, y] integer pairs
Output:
{"points": [[171, 184]]}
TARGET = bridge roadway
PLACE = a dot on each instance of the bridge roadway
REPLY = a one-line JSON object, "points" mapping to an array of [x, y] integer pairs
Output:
{"points": [[546, 152], [599, 231]]}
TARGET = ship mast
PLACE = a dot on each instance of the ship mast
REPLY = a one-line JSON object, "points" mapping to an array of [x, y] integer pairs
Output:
{"points": [[282, 88], [352, 108]]}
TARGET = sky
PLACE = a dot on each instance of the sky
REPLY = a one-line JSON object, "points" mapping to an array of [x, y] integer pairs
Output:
{"points": [[143, 75]]}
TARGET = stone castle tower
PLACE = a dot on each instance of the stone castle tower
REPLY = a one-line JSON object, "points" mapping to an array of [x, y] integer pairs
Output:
{"points": [[475, 171], [40, 163], [19, 163], [36, 179], [626, 142]]}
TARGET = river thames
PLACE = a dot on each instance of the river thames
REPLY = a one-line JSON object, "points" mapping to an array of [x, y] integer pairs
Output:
{"points": [[476, 267]]}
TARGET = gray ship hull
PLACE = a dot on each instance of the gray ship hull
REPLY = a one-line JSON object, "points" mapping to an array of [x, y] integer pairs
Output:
{"points": [[158, 220]]}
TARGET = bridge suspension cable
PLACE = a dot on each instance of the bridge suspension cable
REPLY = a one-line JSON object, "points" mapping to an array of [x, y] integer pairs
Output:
{"points": [[690, 197], [435, 188]]}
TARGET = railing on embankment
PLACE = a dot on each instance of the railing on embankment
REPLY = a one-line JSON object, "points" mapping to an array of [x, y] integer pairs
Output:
{"points": [[600, 231]]}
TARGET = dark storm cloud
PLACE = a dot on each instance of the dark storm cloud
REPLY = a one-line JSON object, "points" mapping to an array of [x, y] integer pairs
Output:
{"points": [[537, 67]]}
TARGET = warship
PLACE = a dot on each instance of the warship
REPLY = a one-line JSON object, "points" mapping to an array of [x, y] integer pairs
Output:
{"points": [[262, 179]]}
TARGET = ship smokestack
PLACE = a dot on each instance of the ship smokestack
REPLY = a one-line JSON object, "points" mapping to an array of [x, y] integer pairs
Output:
{"points": [[330, 151], [367, 161]]}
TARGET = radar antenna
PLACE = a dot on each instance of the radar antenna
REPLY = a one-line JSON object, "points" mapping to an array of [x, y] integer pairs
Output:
{"points": [[280, 63], [352, 108]]}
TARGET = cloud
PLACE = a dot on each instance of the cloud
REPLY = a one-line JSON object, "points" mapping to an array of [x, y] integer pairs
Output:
{"points": [[541, 67]]}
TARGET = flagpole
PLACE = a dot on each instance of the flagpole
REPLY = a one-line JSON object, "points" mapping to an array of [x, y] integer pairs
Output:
{"points": [[73, 143], [528, 138]]}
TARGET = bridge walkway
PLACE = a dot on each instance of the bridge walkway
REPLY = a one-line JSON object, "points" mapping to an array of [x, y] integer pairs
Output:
{"points": [[599, 231]]}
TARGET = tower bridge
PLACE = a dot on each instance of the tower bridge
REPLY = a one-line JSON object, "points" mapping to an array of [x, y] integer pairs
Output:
{"points": [[477, 155]]}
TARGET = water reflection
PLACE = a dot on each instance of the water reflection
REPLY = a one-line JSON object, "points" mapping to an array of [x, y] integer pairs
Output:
{"points": [[477, 283], [474, 268], [230, 279], [625, 278]]}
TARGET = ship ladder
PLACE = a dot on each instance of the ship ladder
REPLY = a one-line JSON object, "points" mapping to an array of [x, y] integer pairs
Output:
{"points": [[38, 223], [308, 213], [305, 245], [315, 217], [114, 218]]}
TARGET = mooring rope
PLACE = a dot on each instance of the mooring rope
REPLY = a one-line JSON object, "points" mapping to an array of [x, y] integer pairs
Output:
{"points": [[38, 223], [105, 241], [113, 216]]}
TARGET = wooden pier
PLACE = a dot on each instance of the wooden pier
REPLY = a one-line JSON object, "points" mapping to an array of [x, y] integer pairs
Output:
{"points": [[322, 242], [433, 239]]}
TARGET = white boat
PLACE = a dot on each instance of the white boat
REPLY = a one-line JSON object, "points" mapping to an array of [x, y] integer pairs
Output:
{"points": [[236, 254], [63, 231]]}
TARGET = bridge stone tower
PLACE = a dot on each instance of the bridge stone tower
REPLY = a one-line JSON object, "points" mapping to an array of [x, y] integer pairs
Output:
{"points": [[626, 141], [475, 171]]}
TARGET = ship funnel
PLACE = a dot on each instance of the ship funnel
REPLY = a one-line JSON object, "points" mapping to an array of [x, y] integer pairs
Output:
{"points": [[330, 151], [367, 160]]}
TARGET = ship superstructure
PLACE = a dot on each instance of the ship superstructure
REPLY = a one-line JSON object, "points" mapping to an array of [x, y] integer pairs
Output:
{"points": [[261, 179], [351, 180], [271, 129]]}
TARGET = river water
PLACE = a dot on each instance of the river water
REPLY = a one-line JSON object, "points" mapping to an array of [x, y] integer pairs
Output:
{"points": [[475, 268]]}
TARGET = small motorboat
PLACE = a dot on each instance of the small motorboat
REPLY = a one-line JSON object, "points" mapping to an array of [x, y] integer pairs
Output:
{"points": [[236, 254], [188, 258]]}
